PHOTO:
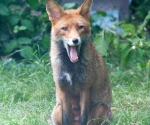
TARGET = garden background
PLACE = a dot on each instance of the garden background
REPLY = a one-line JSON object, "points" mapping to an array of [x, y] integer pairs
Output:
{"points": [[27, 93]]}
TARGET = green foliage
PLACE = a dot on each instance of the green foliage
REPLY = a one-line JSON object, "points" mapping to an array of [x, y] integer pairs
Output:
{"points": [[101, 43], [68, 6], [25, 28], [24, 25], [4, 10], [139, 10], [125, 44]]}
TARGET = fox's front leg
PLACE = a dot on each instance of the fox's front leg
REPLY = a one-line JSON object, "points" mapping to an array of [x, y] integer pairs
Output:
{"points": [[84, 103], [66, 106]]}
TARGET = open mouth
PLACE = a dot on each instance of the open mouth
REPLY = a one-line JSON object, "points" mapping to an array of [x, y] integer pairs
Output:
{"points": [[73, 52]]}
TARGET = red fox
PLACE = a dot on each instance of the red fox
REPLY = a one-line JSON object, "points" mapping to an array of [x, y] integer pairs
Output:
{"points": [[83, 93]]}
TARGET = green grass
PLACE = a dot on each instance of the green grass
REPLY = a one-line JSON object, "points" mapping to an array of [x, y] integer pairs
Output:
{"points": [[27, 95], [131, 97]]}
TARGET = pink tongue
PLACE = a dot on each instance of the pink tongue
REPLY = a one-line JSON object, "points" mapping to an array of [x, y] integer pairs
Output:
{"points": [[73, 54]]}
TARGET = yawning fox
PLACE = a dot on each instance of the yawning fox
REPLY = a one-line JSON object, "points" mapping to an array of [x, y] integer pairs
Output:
{"points": [[83, 94]]}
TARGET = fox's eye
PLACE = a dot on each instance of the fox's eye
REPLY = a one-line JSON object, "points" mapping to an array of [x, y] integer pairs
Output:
{"points": [[64, 28], [80, 27]]}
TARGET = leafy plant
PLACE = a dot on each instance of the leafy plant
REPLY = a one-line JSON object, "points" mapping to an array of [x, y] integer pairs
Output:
{"points": [[139, 11], [24, 26], [125, 44]]}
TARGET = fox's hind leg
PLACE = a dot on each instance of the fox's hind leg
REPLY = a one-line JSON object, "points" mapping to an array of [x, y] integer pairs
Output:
{"points": [[56, 115], [99, 114]]}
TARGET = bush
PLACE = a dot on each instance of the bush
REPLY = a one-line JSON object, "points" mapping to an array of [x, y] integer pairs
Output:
{"points": [[24, 28], [139, 10], [125, 44]]}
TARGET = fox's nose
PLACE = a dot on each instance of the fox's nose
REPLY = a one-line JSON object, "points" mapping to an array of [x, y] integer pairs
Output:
{"points": [[75, 41]]}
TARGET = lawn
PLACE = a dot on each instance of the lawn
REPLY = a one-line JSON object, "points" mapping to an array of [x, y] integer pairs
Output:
{"points": [[27, 94]]}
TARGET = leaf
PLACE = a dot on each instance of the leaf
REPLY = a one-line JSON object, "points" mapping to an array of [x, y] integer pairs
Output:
{"points": [[27, 52], [14, 19], [28, 24], [128, 56], [101, 44], [45, 41], [129, 29], [140, 53], [124, 46], [22, 28], [16, 9], [4, 11], [103, 13], [16, 28], [24, 40], [147, 44], [135, 40], [33, 3], [11, 46], [69, 5], [96, 17], [124, 56], [130, 59], [116, 42]]}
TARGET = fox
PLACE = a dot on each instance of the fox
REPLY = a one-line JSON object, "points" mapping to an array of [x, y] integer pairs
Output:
{"points": [[83, 91]]}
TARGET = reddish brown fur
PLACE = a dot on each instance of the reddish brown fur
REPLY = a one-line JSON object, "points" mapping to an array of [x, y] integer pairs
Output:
{"points": [[86, 94]]}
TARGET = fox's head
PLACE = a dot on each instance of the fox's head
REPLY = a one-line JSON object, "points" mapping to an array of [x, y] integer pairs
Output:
{"points": [[71, 27]]}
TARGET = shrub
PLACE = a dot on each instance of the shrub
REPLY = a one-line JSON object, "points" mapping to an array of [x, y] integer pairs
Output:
{"points": [[124, 44], [23, 28]]}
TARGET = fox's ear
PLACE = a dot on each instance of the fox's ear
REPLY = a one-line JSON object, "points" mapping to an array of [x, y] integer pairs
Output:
{"points": [[54, 10], [85, 8]]}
